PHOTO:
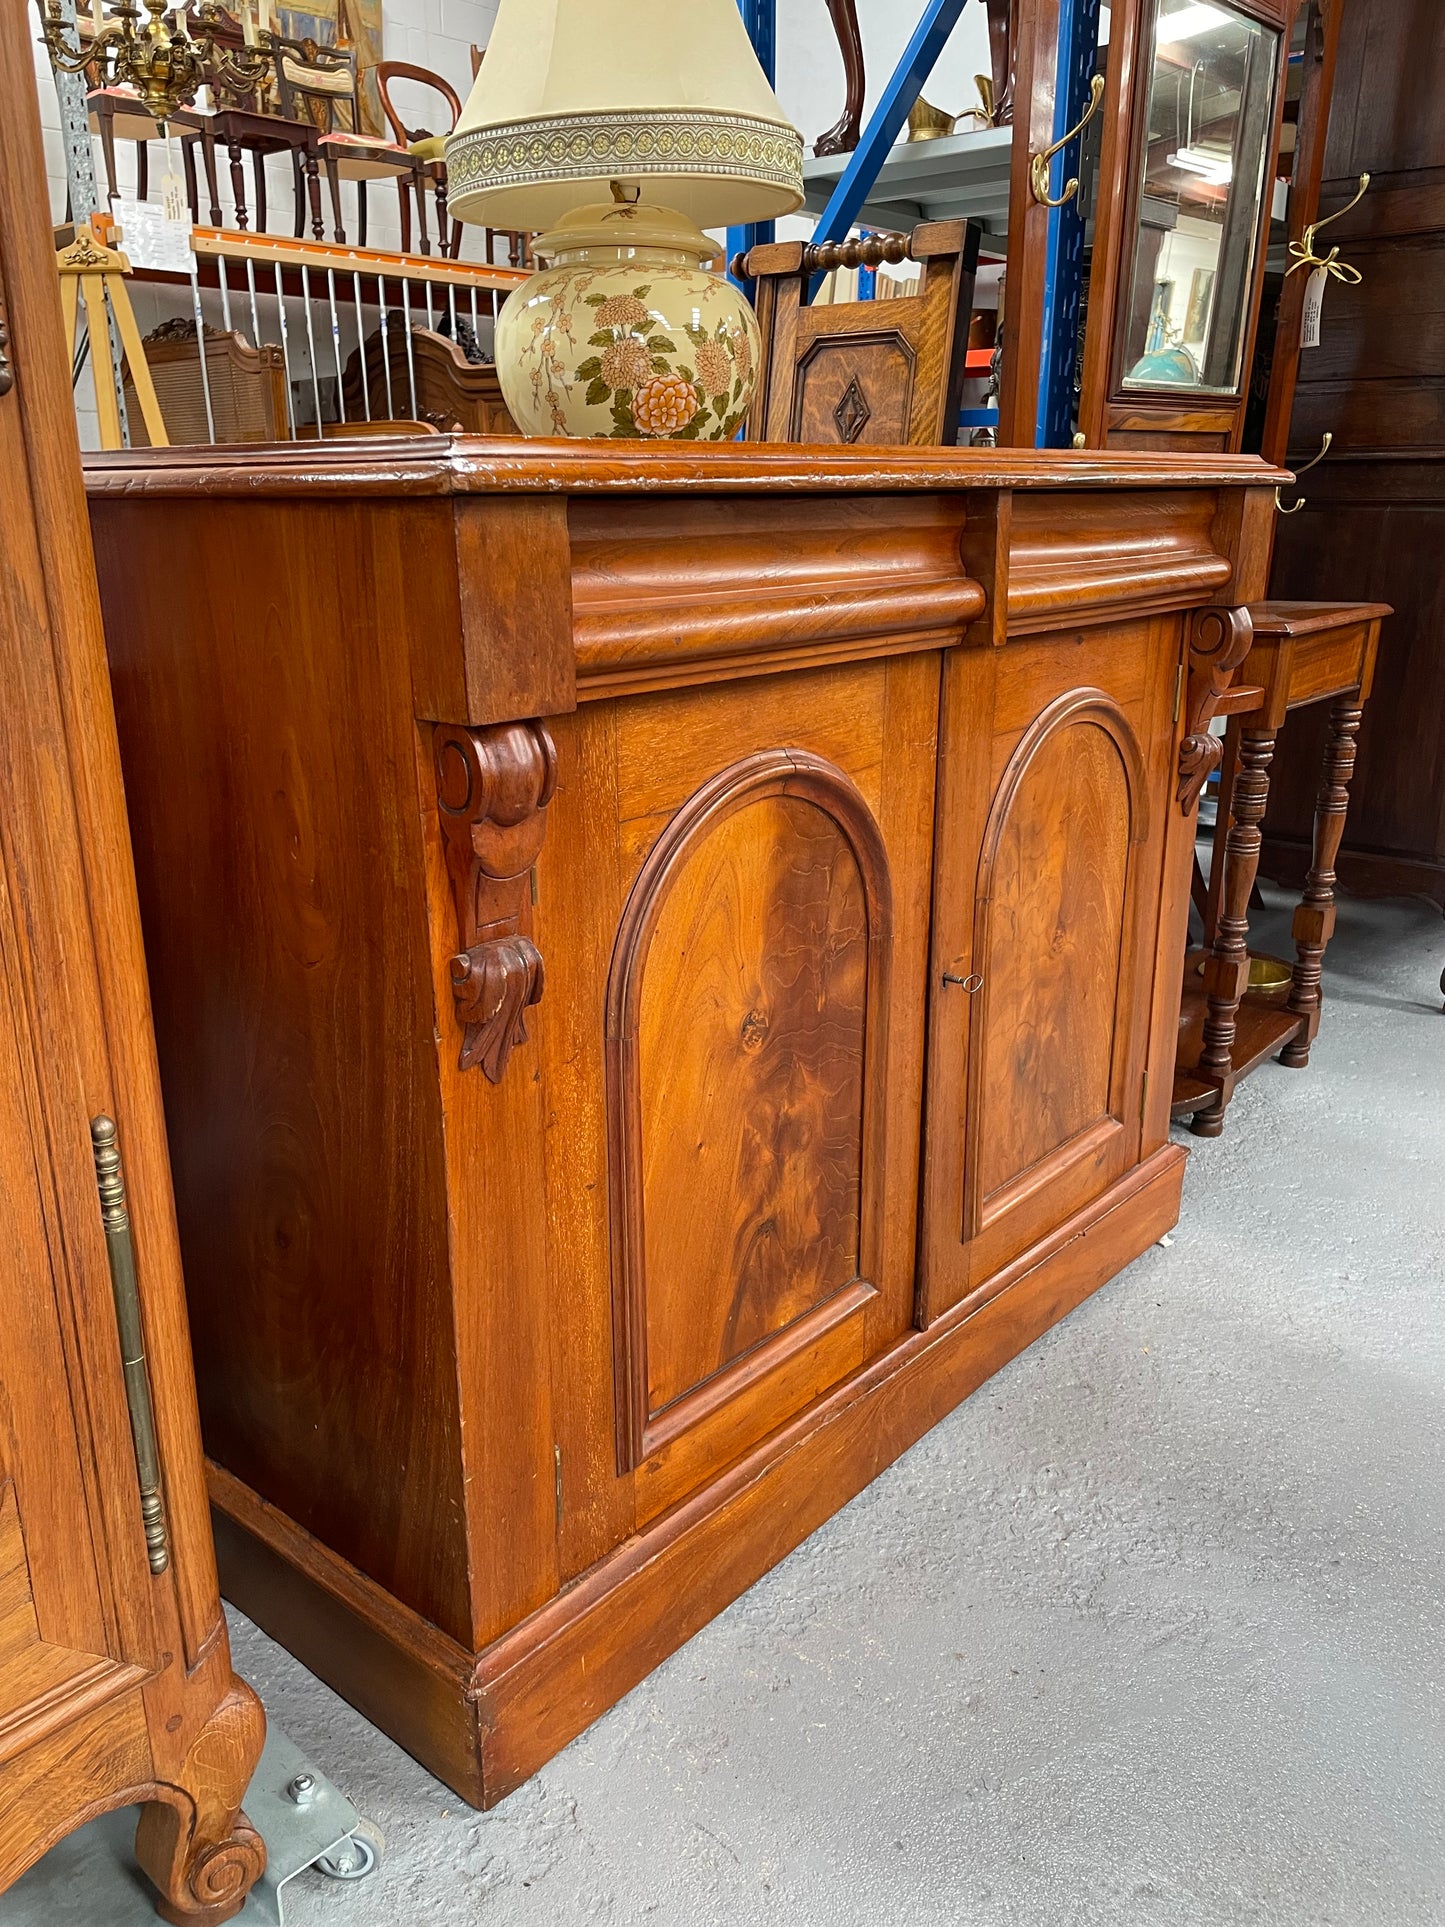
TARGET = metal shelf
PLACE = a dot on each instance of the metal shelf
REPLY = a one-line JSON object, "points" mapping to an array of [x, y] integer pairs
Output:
{"points": [[962, 176]]}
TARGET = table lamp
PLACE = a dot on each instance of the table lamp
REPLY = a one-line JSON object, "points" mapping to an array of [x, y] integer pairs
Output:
{"points": [[621, 130]]}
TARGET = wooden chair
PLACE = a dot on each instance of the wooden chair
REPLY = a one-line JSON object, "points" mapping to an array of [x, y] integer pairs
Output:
{"points": [[1232, 1017], [881, 373], [117, 114], [428, 152], [318, 88], [247, 386], [451, 391], [243, 123]]}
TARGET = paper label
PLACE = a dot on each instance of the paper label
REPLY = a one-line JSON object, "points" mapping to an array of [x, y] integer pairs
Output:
{"points": [[173, 199], [1313, 303], [151, 238]]}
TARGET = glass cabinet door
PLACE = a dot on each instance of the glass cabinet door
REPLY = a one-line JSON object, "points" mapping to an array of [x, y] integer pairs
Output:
{"points": [[1204, 168]]}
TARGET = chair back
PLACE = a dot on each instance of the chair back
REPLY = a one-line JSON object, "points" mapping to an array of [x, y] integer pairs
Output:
{"points": [[386, 72], [247, 388], [885, 373], [318, 84]]}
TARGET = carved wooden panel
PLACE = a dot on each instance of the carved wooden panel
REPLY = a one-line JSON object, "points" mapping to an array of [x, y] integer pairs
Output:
{"points": [[1051, 925], [745, 1037], [855, 389]]}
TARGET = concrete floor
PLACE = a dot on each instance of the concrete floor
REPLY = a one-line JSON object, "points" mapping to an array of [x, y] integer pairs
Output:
{"points": [[1152, 1629]]}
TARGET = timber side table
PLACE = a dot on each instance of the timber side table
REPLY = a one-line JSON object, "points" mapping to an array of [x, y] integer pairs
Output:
{"points": [[1302, 652]]}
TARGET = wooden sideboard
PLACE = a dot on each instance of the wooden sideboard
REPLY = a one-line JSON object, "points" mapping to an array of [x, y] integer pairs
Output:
{"points": [[666, 965], [116, 1686]]}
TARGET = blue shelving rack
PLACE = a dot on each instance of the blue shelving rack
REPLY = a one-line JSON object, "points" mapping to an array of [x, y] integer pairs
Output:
{"points": [[1064, 258]]}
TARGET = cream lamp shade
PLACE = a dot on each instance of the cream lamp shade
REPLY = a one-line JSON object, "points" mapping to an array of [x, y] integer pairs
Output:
{"points": [[665, 99]]}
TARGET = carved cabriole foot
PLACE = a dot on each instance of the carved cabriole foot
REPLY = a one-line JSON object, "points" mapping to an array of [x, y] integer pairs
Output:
{"points": [[193, 1841], [842, 137], [1314, 919], [493, 788], [1226, 968]]}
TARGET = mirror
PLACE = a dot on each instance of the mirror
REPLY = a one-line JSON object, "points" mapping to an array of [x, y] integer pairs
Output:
{"points": [[1207, 148]]}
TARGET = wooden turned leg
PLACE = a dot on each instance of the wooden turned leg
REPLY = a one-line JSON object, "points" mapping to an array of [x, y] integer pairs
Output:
{"points": [[1226, 967], [192, 1839], [403, 201], [238, 182], [193, 189], [258, 181], [1314, 919], [439, 193], [107, 148], [313, 195]]}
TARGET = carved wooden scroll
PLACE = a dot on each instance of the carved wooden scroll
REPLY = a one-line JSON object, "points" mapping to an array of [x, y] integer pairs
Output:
{"points": [[1219, 641], [493, 788]]}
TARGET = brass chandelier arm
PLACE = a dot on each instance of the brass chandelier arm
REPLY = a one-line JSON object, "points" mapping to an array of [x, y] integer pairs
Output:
{"points": [[164, 65]]}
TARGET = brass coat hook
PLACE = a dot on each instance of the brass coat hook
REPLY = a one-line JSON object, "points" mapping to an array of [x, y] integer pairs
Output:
{"points": [[1313, 462], [1303, 254], [1039, 163]]}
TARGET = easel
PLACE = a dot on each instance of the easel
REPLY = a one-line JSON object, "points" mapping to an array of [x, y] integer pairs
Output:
{"points": [[90, 269]]}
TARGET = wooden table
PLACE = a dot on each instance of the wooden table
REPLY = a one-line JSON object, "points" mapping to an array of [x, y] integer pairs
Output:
{"points": [[666, 965]]}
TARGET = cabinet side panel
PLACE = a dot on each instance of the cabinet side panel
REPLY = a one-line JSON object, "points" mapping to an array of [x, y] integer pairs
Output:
{"points": [[269, 751]]}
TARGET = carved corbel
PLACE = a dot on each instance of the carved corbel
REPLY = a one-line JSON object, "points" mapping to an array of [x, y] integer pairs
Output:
{"points": [[493, 788], [1219, 641]]}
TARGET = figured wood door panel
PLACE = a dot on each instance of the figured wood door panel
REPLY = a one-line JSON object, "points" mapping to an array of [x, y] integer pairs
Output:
{"points": [[751, 877], [1045, 904], [746, 1027], [55, 1644], [1051, 901]]}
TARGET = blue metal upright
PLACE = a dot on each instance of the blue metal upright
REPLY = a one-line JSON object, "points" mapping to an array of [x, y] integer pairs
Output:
{"points": [[760, 17], [919, 59], [1064, 248]]}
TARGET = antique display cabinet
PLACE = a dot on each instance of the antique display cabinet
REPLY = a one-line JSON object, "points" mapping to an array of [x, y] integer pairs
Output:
{"points": [[666, 966]]}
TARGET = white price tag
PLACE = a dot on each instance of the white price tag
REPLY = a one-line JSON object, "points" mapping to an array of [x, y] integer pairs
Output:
{"points": [[151, 239], [173, 199], [1314, 301]]}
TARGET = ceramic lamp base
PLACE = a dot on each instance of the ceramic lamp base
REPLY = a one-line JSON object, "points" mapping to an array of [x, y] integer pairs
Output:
{"points": [[625, 334]]}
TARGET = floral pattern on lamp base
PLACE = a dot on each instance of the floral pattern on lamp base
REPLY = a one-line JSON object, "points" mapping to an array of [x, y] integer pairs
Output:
{"points": [[644, 348]]}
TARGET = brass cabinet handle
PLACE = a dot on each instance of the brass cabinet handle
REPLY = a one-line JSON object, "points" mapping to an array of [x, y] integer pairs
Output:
{"points": [[1039, 163]]}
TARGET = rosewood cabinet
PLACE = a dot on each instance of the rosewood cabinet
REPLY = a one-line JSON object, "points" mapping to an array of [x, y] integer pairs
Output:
{"points": [[115, 1678], [667, 969]]}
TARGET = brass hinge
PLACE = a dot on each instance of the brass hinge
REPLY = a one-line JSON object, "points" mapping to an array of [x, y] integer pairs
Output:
{"points": [[557, 1464], [1179, 691], [115, 1216]]}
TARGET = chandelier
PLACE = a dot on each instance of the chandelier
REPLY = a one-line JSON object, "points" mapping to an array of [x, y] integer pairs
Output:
{"points": [[162, 62]]}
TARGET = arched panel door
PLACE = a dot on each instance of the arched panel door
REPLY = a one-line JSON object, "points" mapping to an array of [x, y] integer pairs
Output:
{"points": [[747, 1018], [1050, 1105]]}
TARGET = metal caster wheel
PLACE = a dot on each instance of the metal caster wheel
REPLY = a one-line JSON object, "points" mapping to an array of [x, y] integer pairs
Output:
{"points": [[353, 1858]]}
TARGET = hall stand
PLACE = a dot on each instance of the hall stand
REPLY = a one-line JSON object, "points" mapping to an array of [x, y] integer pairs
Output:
{"points": [[116, 1685]]}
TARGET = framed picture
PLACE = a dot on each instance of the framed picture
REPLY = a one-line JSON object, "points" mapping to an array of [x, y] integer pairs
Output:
{"points": [[1201, 296], [334, 22]]}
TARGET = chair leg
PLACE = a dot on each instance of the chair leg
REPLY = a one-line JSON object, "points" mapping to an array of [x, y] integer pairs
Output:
{"points": [[403, 198], [333, 181], [439, 189], [455, 250], [193, 189], [1314, 919], [298, 193], [361, 211], [238, 183], [1226, 967], [258, 176], [142, 170], [208, 161], [419, 185], [107, 148], [313, 195]]}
